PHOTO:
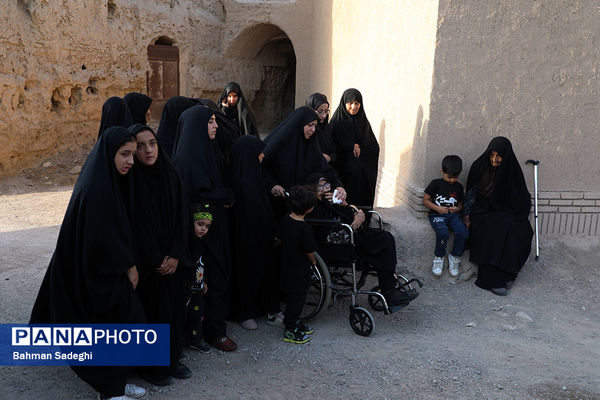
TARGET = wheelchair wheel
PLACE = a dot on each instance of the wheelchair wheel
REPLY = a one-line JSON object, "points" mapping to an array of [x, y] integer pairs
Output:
{"points": [[361, 321], [319, 293], [374, 301]]}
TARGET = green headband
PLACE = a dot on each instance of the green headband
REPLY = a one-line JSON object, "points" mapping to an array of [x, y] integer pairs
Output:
{"points": [[203, 215]]}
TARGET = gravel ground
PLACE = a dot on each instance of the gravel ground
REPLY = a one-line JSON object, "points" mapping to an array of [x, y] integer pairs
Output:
{"points": [[454, 342]]}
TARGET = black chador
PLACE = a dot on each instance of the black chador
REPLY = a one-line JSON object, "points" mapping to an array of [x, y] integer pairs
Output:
{"points": [[241, 113], [323, 131], [198, 162], [500, 231], [162, 226], [86, 281], [138, 104], [290, 158], [253, 235], [115, 113], [167, 128], [359, 173]]}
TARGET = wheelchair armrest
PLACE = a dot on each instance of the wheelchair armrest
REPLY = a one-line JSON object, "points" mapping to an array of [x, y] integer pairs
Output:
{"points": [[369, 210]]}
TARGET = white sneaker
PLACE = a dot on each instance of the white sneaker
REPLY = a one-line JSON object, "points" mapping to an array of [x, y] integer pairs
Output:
{"points": [[453, 264], [100, 397], [134, 391], [249, 324], [275, 319], [438, 265]]}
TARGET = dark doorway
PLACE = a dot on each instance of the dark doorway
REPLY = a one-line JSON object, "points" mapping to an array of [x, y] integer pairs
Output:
{"points": [[271, 47], [163, 78]]}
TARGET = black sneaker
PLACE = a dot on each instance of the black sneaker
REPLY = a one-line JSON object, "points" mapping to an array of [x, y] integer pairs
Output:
{"points": [[295, 336], [302, 327], [180, 371], [201, 346]]}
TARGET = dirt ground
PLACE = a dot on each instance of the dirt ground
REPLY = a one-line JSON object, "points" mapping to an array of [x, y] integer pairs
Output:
{"points": [[453, 342]]}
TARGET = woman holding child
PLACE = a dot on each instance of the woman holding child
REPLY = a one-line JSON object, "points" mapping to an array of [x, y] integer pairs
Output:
{"points": [[197, 159], [497, 209]]}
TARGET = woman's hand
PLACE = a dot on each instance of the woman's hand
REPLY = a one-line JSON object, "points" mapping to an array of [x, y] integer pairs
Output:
{"points": [[356, 150], [132, 275], [277, 190], [359, 218], [467, 220], [327, 158], [168, 266], [341, 194]]}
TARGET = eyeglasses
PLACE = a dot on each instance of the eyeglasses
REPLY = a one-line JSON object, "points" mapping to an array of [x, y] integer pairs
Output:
{"points": [[325, 186], [322, 112]]}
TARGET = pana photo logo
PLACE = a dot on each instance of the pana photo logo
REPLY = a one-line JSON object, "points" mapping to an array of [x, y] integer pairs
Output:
{"points": [[91, 344]]}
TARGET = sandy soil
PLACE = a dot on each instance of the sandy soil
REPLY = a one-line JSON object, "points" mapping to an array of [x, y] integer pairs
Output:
{"points": [[453, 342]]}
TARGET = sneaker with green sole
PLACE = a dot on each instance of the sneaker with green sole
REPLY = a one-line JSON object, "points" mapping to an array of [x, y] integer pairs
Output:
{"points": [[295, 336]]}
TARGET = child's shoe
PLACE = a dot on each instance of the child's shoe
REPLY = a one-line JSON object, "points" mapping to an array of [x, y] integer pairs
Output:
{"points": [[453, 264], [438, 265], [201, 346], [295, 336], [302, 327], [275, 319]]}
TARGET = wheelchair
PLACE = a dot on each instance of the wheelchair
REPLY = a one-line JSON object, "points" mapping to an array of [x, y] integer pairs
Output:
{"points": [[335, 276]]}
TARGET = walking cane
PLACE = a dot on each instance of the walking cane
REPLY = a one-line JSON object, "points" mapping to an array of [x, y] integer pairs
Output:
{"points": [[535, 209]]}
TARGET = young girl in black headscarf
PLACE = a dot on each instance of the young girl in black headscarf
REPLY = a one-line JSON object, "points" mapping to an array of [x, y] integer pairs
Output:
{"points": [[319, 103], [198, 162], [92, 275], [358, 150], [292, 154], [253, 231], [138, 104], [167, 128], [115, 112], [162, 226], [233, 103], [497, 209]]}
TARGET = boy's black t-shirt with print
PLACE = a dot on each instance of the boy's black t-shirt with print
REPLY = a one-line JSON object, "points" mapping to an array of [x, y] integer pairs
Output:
{"points": [[296, 240], [445, 194]]}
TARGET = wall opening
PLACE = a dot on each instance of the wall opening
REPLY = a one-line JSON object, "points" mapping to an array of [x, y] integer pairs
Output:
{"points": [[270, 47], [162, 81]]}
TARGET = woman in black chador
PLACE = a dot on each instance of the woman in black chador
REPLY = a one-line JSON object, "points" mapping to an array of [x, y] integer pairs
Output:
{"points": [[162, 229], [138, 104], [115, 113], [292, 154], [233, 103], [358, 150], [319, 103], [92, 275], [253, 236], [497, 209], [198, 162], [167, 128]]}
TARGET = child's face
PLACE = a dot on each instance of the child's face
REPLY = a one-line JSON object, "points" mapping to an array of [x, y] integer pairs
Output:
{"points": [[201, 227], [451, 179]]}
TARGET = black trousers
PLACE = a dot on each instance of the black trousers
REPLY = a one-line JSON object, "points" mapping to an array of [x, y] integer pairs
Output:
{"points": [[195, 315], [293, 309]]}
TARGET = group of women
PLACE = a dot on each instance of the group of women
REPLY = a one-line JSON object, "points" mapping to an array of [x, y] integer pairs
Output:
{"points": [[123, 251]]}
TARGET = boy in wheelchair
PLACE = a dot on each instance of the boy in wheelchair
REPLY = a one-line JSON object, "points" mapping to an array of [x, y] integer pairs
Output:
{"points": [[375, 248]]}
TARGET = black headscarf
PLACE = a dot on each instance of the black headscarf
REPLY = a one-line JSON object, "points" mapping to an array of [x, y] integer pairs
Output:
{"points": [[242, 113], [360, 174], [86, 281], [289, 157], [161, 214], [197, 160], [115, 113], [323, 131], [509, 189], [167, 128], [138, 104]]}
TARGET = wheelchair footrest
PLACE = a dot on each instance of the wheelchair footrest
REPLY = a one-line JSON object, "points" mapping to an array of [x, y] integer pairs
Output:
{"points": [[399, 307]]}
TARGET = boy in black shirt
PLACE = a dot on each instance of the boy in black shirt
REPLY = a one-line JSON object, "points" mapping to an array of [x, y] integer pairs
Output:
{"points": [[444, 198], [297, 255]]}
